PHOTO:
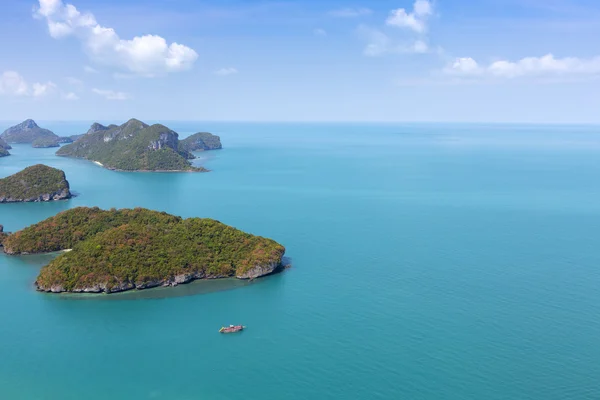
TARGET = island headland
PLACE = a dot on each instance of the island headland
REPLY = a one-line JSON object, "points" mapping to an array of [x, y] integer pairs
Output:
{"points": [[4, 148], [118, 250], [34, 184]]}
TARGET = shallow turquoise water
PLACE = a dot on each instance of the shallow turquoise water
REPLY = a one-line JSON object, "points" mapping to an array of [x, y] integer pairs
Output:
{"points": [[429, 262]]}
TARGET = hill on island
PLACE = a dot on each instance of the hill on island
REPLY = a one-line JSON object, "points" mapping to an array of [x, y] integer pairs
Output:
{"points": [[35, 183], [29, 132], [118, 250], [133, 146]]}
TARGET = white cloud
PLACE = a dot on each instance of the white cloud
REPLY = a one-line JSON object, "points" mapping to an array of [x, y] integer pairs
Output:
{"points": [[545, 66], [12, 83], [415, 20], [42, 89], [70, 96], [463, 65], [226, 71], [147, 55], [319, 32], [111, 94], [350, 12], [90, 70], [379, 43]]}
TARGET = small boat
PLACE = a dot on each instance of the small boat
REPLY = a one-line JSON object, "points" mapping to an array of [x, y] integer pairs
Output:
{"points": [[231, 329]]}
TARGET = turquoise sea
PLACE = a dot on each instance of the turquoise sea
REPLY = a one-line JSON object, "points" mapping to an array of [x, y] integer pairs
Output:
{"points": [[449, 262]]}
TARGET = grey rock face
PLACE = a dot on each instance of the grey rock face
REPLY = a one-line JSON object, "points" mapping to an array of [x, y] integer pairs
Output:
{"points": [[96, 127], [60, 195], [260, 270], [124, 286], [165, 139]]}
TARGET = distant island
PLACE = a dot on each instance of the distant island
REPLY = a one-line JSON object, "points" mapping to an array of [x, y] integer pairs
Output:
{"points": [[136, 146], [35, 183], [44, 142], [29, 132], [200, 141], [4, 148], [119, 250]]}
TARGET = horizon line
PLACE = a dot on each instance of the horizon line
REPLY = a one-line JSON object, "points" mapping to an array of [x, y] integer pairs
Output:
{"points": [[324, 121]]}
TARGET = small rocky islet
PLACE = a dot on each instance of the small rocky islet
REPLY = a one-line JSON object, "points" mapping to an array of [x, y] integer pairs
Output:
{"points": [[137, 146], [118, 250], [35, 184], [200, 141]]}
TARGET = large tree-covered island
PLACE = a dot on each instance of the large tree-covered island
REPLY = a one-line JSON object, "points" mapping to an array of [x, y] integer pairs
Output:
{"points": [[134, 146], [118, 250], [36, 183]]}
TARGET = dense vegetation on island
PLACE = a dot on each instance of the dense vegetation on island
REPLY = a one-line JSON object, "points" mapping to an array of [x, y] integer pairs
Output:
{"points": [[133, 146], [35, 183], [200, 141], [27, 132], [119, 250]]}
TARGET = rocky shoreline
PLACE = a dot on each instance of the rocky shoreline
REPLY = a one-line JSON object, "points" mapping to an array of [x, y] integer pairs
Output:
{"points": [[258, 271], [64, 194], [98, 163], [110, 251]]}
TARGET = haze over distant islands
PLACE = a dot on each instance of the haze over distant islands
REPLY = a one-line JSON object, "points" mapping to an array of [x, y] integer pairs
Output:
{"points": [[136, 146], [35, 184], [29, 132], [118, 250]]}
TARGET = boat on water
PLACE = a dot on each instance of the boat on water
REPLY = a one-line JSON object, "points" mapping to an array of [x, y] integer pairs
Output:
{"points": [[231, 329]]}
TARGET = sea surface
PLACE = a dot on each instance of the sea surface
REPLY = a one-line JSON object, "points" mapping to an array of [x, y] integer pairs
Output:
{"points": [[449, 262]]}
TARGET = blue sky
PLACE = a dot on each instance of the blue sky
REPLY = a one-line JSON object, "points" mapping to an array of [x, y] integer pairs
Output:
{"points": [[329, 60]]}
